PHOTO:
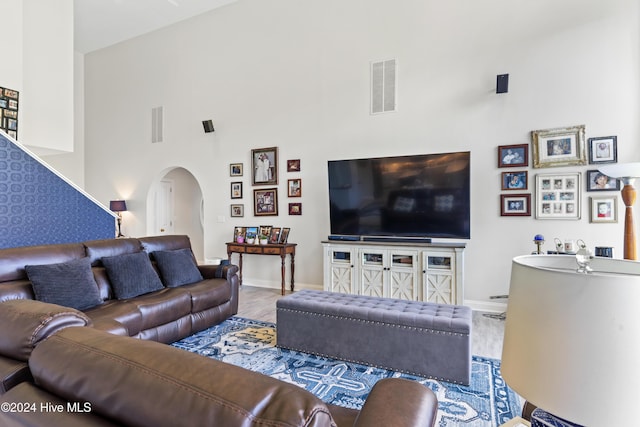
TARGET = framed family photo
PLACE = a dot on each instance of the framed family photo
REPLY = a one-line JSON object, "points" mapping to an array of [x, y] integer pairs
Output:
{"points": [[264, 166], [237, 211], [265, 202], [517, 180], [558, 196], [293, 165], [604, 209], [515, 205], [603, 149], [294, 187], [513, 156], [558, 147], [295, 208], [284, 235], [597, 181], [235, 169], [236, 190]]}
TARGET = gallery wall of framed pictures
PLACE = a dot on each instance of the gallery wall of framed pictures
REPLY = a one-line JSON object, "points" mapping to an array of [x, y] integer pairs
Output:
{"points": [[558, 196], [9, 99], [264, 172]]}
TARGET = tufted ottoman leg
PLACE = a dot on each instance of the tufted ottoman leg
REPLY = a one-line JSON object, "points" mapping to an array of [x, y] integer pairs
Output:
{"points": [[420, 338]]}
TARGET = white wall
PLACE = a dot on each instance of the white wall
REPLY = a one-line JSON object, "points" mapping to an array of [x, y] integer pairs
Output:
{"points": [[295, 74], [11, 47], [48, 65], [71, 165], [38, 62]]}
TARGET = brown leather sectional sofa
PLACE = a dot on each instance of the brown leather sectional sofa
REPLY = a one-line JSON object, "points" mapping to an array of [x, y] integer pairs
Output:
{"points": [[87, 377], [166, 315], [65, 367]]}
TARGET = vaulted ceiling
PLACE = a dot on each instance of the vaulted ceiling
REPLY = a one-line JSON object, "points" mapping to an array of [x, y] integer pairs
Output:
{"points": [[102, 23]]}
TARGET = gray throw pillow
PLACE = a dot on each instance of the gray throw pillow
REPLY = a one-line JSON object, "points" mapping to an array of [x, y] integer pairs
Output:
{"points": [[131, 275], [177, 267], [70, 283]]}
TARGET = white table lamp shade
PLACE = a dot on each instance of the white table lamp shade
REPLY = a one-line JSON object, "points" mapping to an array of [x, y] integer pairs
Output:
{"points": [[621, 170], [572, 340]]}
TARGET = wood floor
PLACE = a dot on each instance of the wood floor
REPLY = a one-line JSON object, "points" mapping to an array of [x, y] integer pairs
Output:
{"points": [[260, 304]]}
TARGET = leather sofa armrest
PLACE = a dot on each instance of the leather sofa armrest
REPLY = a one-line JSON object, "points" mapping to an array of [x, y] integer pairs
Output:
{"points": [[398, 402], [24, 323], [222, 271], [12, 373]]}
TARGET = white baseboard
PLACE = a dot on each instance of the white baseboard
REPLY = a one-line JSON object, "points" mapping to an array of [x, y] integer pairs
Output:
{"points": [[277, 285], [486, 306]]}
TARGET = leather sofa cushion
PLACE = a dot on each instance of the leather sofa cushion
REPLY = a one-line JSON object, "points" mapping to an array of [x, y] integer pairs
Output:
{"points": [[208, 293], [13, 260], [68, 283], [164, 243], [136, 382], [98, 249], [177, 267], [31, 322], [131, 275], [125, 313]]}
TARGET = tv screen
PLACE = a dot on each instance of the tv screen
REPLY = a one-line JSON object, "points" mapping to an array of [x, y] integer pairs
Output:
{"points": [[423, 196]]}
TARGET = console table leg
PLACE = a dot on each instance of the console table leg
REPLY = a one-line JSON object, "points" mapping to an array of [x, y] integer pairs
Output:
{"points": [[293, 269], [240, 269], [282, 272]]}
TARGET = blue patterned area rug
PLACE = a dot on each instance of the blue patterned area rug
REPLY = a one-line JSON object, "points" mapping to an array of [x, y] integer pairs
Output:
{"points": [[487, 402]]}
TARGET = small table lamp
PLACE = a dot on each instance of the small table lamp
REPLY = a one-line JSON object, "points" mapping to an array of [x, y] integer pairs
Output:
{"points": [[627, 173], [118, 206], [571, 342]]}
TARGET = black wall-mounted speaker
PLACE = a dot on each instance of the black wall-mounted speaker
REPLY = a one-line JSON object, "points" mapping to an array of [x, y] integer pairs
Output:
{"points": [[208, 126], [502, 83]]}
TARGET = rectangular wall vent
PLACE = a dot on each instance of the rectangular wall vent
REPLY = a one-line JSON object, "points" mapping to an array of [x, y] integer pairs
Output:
{"points": [[157, 124], [383, 86]]}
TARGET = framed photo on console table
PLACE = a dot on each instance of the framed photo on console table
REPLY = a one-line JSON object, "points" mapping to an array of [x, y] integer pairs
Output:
{"points": [[558, 196]]}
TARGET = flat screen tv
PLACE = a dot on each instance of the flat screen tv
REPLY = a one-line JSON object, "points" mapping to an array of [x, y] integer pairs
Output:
{"points": [[419, 196]]}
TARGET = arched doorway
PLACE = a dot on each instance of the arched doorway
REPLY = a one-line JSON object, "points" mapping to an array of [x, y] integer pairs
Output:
{"points": [[174, 206]]}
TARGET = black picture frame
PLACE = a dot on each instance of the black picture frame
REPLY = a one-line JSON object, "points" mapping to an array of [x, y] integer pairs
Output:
{"points": [[603, 149], [597, 181]]}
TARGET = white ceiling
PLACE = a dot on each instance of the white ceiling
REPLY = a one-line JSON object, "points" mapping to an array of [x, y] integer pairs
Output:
{"points": [[102, 23]]}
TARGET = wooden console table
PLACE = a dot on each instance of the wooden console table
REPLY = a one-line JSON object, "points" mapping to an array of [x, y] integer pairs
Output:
{"points": [[270, 249]]}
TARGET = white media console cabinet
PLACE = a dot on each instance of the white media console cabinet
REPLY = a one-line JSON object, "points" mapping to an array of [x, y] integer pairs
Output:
{"points": [[432, 272]]}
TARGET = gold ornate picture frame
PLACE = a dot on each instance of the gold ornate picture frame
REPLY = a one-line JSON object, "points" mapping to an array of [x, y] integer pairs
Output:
{"points": [[558, 147]]}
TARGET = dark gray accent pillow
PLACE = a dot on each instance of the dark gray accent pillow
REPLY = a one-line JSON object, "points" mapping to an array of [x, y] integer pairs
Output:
{"points": [[69, 283], [177, 267], [131, 275]]}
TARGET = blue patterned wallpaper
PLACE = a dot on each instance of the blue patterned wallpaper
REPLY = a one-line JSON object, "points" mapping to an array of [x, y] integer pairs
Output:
{"points": [[38, 207]]}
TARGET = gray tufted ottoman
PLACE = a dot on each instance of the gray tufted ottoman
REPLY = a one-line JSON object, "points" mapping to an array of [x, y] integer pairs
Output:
{"points": [[420, 338]]}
